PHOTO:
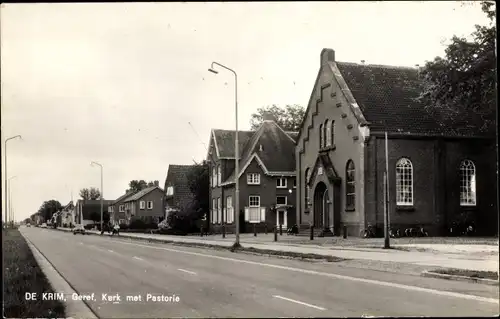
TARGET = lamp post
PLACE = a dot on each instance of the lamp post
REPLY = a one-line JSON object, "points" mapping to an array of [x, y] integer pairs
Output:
{"points": [[236, 151], [6, 182], [11, 214], [102, 193]]}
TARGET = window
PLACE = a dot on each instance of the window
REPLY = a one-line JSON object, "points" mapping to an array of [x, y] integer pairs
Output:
{"points": [[404, 182], [218, 175], [332, 132], [142, 204], [280, 200], [150, 205], [170, 190], [121, 209], [254, 201], [253, 213], [230, 210], [294, 183], [253, 179], [467, 183], [214, 210], [219, 211], [281, 182], [214, 176], [121, 221], [306, 186], [350, 185], [328, 135], [321, 136]]}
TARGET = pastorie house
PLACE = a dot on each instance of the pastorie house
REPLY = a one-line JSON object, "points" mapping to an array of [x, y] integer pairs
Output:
{"points": [[266, 178]]}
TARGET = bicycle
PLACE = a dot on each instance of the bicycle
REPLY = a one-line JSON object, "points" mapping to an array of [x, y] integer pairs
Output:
{"points": [[368, 232]]}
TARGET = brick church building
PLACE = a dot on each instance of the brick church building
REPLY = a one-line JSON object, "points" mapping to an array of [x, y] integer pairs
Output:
{"points": [[439, 171]]}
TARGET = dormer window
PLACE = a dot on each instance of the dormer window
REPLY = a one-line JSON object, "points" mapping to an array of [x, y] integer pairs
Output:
{"points": [[281, 182], [260, 148]]}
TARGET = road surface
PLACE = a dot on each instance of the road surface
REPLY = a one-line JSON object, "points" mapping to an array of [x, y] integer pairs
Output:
{"points": [[194, 282]]}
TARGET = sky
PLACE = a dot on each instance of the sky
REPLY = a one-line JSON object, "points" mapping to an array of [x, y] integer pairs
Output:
{"points": [[119, 83]]}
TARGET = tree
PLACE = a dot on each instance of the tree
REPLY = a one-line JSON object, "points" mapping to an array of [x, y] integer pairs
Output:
{"points": [[465, 79], [288, 118], [199, 184], [48, 208], [137, 185], [91, 193]]}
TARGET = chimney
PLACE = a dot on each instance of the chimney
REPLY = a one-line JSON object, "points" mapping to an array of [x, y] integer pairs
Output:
{"points": [[157, 183], [327, 55], [267, 116]]}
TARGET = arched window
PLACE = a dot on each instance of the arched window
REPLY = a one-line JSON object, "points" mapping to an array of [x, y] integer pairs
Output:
{"points": [[214, 176], [467, 183], [321, 136], [404, 182], [306, 186], [332, 138], [350, 185], [328, 135]]}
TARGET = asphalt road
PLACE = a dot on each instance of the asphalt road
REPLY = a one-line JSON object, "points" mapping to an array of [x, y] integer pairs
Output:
{"points": [[211, 283]]}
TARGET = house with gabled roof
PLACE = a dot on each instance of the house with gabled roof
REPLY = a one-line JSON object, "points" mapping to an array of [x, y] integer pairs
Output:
{"points": [[146, 205], [177, 193], [266, 178], [117, 209], [440, 169]]}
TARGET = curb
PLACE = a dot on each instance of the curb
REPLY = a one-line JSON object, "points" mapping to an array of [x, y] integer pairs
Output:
{"points": [[74, 308], [245, 249], [431, 274]]}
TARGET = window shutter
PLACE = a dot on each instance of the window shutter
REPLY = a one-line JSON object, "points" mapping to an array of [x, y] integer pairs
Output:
{"points": [[246, 214], [262, 214]]}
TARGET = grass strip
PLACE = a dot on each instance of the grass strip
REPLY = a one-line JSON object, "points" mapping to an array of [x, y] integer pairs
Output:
{"points": [[22, 275]]}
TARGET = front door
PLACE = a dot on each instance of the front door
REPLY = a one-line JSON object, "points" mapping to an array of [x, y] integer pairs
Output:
{"points": [[326, 209], [320, 205], [281, 218]]}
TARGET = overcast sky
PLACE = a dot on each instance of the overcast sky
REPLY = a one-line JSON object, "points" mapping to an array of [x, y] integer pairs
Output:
{"points": [[118, 83]]}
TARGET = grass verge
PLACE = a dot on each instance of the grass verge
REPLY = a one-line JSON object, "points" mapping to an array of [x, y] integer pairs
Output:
{"points": [[22, 275], [476, 274]]}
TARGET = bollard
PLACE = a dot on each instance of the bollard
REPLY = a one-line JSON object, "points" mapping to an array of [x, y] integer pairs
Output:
{"points": [[223, 231], [312, 232], [254, 230], [275, 234], [265, 229], [201, 231], [345, 232], [281, 230]]}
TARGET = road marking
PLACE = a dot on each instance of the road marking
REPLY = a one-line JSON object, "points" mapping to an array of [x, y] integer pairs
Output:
{"points": [[135, 257], [187, 271], [300, 302], [330, 275], [110, 251], [81, 243]]}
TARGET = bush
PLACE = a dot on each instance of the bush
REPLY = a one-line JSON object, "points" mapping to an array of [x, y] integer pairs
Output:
{"points": [[123, 226], [23, 274], [137, 224]]}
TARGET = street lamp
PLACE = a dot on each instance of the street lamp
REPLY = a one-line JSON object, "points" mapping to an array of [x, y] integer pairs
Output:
{"points": [[6, 182], [11, 214], [236, 151], [102, 193]]}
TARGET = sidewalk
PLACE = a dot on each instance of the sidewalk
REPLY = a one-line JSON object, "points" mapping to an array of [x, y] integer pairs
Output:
{"points": [[440, 257]]}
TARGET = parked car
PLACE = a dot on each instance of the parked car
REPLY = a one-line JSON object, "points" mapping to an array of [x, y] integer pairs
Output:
{"points": [[79, 229], [28, 225], [44, 225]]}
